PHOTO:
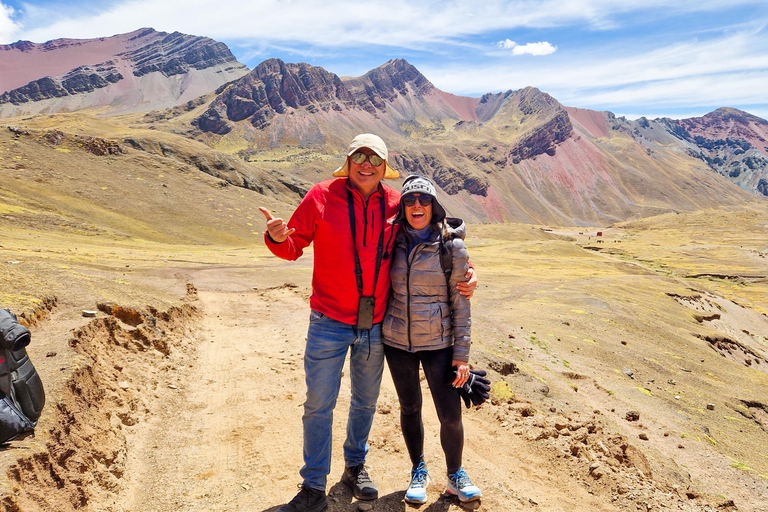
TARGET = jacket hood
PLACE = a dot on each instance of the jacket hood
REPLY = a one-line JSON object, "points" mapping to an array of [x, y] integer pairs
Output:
{"points": [[454, 228]]}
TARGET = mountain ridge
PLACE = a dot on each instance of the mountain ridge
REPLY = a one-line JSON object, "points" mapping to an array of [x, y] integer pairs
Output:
{"points": [[517, 155], [142, 70]]}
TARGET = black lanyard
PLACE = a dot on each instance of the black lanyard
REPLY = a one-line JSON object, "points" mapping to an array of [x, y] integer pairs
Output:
{"points": [[379, 249]]}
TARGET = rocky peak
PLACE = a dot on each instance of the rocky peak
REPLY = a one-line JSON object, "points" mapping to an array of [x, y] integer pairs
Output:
{"points": [[385, 83], [532, 101], [75, 67], [177, 53], [729, 122], [275, 86], [21, 45], [270, 89], [393, 76], [298, 85], [733, 143], [551, 120], [725, 114]]}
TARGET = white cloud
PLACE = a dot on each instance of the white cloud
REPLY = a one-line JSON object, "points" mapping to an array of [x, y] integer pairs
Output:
{"points": [[8, 28], [337, 23], [454, 40], [538, 49], [732, 70]]}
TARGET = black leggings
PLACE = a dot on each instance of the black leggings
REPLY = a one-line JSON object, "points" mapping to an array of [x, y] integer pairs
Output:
{"points": [[404, 367]]}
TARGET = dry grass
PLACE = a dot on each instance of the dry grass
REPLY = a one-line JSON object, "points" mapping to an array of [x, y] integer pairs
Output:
{"points": [[602, 307]]}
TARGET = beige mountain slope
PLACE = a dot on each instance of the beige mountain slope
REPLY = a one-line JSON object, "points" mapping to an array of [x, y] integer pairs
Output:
{"points": [[128, 179], [185, 392], [138, 71]]}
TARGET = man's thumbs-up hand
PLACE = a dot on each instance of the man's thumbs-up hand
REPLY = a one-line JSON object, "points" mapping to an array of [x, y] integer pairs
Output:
{"points": [[277, 228]]}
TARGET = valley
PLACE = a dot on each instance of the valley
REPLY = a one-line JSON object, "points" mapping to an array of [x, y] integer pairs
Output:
{"points": [[622, 309]]}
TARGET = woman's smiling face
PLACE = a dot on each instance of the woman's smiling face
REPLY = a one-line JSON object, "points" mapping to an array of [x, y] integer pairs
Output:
{"points": [[418, 215]]}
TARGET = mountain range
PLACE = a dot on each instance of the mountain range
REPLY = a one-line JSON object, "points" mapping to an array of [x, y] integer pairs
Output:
{"points": [[143, 70], [517, 155]]}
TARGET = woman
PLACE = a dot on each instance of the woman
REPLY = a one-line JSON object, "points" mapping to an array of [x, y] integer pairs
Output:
{"points": [[428, 324]]}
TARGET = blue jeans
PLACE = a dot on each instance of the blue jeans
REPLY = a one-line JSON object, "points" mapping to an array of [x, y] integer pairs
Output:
{"points": [[327, 344]]}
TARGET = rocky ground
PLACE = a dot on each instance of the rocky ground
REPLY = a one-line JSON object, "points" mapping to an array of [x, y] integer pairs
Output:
{"points": [[192, 401]]}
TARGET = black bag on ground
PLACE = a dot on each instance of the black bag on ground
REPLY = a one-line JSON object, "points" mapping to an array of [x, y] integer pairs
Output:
{"points": [[21, 391]]}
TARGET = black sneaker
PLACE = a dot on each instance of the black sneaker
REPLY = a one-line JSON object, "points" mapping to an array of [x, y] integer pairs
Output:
{"points": [[308, 500], [357, 479]]}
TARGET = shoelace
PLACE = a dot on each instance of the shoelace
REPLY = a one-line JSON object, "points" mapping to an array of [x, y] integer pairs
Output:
{"points": [[462, 479], [362, 476], [419, 476]]}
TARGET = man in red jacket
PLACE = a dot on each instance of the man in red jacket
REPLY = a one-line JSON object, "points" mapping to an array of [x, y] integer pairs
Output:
{"points": [[347, 218]]}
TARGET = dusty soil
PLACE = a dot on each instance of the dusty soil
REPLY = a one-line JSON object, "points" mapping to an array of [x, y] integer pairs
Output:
{"points": [[198, 407]]}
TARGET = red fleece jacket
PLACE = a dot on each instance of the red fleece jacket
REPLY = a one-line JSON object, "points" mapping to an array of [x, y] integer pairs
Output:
{"points": [[322, 217]]}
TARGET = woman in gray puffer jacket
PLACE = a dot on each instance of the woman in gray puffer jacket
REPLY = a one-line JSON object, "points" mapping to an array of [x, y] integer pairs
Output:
{"points": [[428, 324]]}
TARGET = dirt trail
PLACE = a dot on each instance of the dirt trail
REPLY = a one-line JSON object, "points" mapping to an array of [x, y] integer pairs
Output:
{"points": [[231, 437], [213, 423]]}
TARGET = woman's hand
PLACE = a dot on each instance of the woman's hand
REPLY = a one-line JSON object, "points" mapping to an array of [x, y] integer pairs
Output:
{"points": [[467, 288], [462, 373]]}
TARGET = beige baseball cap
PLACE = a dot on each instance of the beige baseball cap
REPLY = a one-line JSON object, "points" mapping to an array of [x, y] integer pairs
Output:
{"points": [[374, 143]]}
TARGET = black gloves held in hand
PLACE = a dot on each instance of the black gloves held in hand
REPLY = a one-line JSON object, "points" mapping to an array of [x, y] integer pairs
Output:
{"points": [[475, 390]]}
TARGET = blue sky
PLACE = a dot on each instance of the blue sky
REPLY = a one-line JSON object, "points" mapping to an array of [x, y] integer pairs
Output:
{"points": [[633, 57]]}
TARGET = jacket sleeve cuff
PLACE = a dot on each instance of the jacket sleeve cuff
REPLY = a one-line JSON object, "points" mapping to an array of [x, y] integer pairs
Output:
{"points": [[279, 249], [461, 350]]}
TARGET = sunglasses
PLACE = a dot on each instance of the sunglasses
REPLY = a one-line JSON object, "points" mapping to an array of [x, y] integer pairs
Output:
{"points": [[359, 157], [410, 200]]}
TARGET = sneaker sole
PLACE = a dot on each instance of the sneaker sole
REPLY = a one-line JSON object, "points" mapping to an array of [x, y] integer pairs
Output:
{"points": [[415, 501], [465, 500]]}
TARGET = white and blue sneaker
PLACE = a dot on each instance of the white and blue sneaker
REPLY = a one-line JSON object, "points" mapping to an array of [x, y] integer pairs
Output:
{"points": [[417, 489], [460, 485]]}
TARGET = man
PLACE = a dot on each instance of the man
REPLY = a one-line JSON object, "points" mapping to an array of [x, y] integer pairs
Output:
{"points": [[347, 219]]}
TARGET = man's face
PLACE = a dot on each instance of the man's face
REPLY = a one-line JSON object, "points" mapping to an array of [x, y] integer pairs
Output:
{"points": [[365, 177]]}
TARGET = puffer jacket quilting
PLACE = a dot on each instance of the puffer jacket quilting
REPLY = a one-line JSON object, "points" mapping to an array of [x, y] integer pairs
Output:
{"points": [[420, 314]]}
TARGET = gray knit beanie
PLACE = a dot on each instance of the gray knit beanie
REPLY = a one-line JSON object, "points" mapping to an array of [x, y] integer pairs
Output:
{"points": [[421, 185]]}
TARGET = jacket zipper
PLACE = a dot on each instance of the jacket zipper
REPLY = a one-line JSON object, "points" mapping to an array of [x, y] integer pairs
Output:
{"points": [[409, 261], [408, 296], [365, 222]]}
